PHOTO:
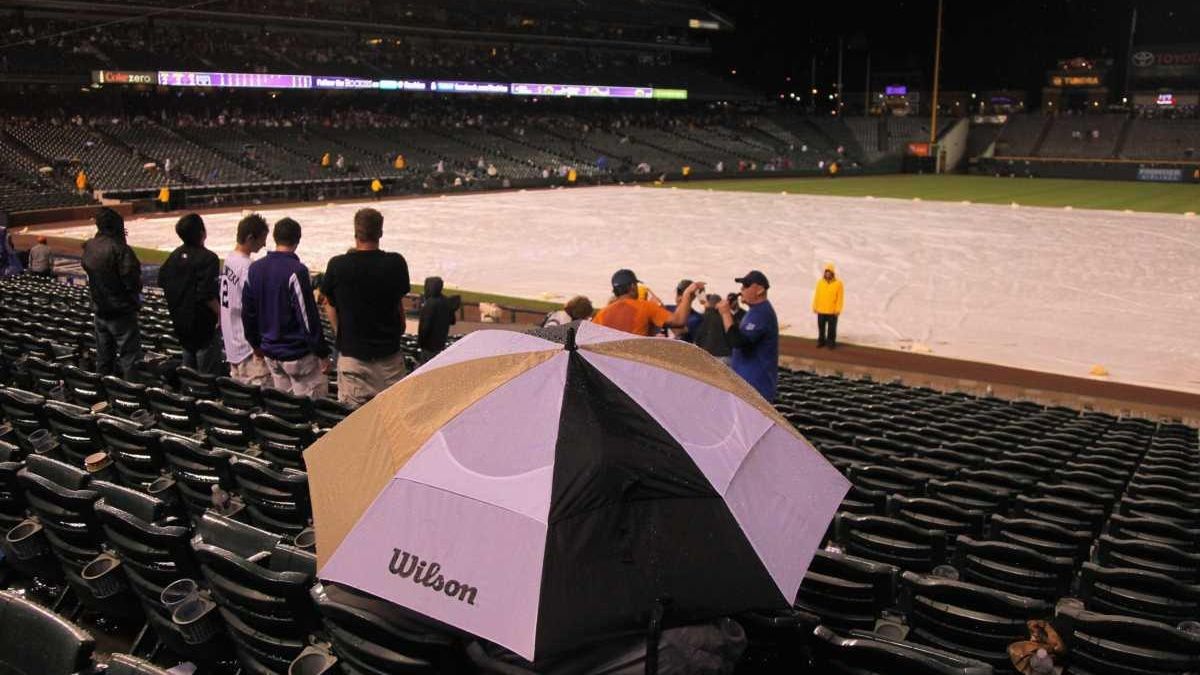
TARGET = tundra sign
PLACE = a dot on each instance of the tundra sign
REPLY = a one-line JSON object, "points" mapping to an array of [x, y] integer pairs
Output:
{"points": [[1173, 66]]}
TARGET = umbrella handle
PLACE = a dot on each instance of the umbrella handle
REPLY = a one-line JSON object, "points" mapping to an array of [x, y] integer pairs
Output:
{"points": [[654, 633]]}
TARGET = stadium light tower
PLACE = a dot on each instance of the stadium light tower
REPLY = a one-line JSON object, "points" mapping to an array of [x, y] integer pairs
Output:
{"points": [[937, 71]]}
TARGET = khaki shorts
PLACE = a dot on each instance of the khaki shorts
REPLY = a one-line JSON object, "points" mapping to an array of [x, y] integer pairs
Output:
{"points": [[359, 381], [253, 372], [302, 377]]}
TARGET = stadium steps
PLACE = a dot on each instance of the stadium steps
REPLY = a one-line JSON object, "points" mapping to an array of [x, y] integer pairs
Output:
{"points": [[496, 151], [1123, 137], [667, 151], [280, 57], [213, 151], [745, 136], [472, 148], [764, 137], [752, 150], [32, 161], [521, 140], [883, 135], [1042, 136], [114, 140], [277, 147], [225, 155], [23, 150], [335, 145], [835, 133], [576, 142]]}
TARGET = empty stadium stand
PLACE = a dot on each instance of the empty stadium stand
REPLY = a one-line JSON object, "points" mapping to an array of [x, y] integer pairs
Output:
{"points": [[1151, 138], [132, 157], [1083, 136]]}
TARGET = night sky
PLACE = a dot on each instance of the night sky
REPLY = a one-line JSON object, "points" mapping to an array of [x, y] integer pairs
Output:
{"points": [[987, 45]]}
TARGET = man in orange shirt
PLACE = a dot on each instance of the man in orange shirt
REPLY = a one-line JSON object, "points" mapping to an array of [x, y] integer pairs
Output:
{"points": [[643, 317]]}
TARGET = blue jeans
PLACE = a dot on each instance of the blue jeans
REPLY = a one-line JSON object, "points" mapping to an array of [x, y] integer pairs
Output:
{"points": [[117, 336], [207, 359]]}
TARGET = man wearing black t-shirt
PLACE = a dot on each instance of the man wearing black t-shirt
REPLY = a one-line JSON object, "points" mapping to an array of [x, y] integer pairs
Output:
{"points": [[189, 279], [365, 290]]}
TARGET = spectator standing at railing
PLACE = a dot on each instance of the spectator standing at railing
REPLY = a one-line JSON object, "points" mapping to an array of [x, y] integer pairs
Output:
{"points": [[244, 365], [365, 289], [115, 284], [9, 262], [279, 316], [41, 258], [437, 315], [190, 280]]}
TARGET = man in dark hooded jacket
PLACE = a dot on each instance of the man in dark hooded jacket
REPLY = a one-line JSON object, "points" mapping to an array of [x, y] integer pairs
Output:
{"points": [[437, 315], [115, 282]]}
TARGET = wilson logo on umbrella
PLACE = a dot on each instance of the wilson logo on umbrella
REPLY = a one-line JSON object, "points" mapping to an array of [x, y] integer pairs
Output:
{"points": [[407, 565], [546, 491]]}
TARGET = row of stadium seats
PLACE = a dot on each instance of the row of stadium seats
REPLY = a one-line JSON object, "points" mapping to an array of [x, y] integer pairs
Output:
{"points": [[967, 518], [120, 155], [1103, 136]]}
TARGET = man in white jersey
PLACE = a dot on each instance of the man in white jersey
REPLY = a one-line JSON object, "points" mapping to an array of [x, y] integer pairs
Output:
{"points": [[245, 366]]}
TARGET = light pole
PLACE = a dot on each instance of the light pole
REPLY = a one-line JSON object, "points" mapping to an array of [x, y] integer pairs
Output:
{"points": [[937, 71]]}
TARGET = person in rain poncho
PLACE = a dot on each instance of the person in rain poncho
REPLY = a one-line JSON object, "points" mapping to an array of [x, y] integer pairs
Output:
{"points": [[828, 298]]}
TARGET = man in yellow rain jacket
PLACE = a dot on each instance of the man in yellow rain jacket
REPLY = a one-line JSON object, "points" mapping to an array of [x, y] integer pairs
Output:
{"points": [[399, 164], [376, 188], [827, 304], [81, 181]]}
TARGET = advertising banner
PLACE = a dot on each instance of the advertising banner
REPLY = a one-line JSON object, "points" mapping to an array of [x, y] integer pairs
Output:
{"points": [[1166, 65]]}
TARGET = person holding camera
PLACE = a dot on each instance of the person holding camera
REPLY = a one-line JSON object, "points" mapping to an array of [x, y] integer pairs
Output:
{"points": [[688, 332], [710, 334], [755, 339], [632, 314]]}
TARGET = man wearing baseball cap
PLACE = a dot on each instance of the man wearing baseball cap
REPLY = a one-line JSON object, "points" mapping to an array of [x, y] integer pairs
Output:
{"points": [[755, 340], [643, 317], [688, 332]]}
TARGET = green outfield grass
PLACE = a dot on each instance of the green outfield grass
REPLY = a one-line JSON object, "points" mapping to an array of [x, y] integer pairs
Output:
{"points": [[1052, 192]]}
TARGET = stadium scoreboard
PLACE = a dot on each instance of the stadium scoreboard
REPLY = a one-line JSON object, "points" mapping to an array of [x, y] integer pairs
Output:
{"points": [[175, 78], [189, 79]]}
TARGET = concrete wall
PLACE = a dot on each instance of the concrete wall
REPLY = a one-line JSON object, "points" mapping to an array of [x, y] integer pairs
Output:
{"points": [[952, 146]]}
